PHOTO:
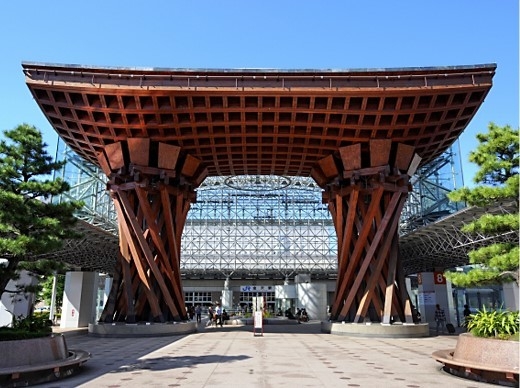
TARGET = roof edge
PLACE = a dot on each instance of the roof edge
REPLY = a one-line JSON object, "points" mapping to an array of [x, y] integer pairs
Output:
{"points": [[160, 70]]}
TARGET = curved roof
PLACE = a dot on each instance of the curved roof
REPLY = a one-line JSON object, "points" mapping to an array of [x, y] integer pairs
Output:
{"points": [[259, 121]]}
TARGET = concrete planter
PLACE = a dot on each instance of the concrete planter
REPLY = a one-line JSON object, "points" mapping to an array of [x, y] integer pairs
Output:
{"points": [[123, 330], [38, 360], [376, 330], [483, 359]]}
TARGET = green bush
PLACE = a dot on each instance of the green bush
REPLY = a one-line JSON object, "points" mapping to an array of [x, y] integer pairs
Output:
{"points": [[25, 328], [494, 324]]}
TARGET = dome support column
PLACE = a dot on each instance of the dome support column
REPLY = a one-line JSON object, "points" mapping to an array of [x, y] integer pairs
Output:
{"points": [[366, 190], [152, 187]]}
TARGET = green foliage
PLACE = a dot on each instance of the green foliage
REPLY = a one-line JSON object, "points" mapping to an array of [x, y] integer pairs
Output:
{"points": [[34, 326], [43, 270], [494, 324], [46, 289], [497, 155], [30, 224], [490, 223]]}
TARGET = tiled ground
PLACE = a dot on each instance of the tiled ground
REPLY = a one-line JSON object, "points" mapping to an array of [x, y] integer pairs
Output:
{"points": [[286, 355]]}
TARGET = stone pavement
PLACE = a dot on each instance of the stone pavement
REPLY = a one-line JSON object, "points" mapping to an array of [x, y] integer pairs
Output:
{"points": [[286, 355]]}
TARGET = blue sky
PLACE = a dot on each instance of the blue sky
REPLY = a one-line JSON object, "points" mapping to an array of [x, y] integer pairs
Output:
{"points": [[263, 34]]}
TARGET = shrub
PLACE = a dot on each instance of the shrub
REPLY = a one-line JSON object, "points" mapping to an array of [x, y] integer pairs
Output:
{"points": [[25, 328], [494, 324]]}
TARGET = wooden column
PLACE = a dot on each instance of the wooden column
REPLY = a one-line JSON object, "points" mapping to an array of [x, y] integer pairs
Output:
{"points": [[365, 189], [152, 185]]}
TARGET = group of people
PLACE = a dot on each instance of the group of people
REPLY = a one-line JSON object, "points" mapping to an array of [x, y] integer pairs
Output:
{"points": [[301, 315], [217, 316], [195, 311]]}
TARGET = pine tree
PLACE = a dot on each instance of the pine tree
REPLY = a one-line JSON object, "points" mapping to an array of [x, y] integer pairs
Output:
{"points": [[497, 179], [30, 224]]}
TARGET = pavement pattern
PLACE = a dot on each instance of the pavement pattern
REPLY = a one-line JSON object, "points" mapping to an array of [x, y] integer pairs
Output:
{"points": [[284, 356]]}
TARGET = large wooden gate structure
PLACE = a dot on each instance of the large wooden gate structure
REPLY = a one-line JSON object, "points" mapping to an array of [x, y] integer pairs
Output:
{"points": [[157, 133]]}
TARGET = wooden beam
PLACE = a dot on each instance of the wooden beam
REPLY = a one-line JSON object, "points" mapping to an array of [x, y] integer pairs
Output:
{"points": [[127, 281], [328, 167], [407, 311], [370, 253], [168, 156], [151, 297], [103, 163], [147, 253], [139, 150], [351, 157], [358, 248], [159, 244], [404, 156], [348, 228], [108, 311], [190, 166], [380, 152], [173, 243], [114, 153], [318, 176]]}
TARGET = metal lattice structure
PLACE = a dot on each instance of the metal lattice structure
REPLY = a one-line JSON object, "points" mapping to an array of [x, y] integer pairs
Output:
{"points": [[88, 184], [259, 227], [442, 244], [428, 201]]}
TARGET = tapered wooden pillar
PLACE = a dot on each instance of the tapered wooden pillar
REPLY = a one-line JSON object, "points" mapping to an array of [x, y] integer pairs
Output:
{"points": [[365, 189], [152, 186]]}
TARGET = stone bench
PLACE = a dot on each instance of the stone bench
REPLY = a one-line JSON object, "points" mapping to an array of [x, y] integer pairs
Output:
{"points": [[483, 359], [38, 360]]}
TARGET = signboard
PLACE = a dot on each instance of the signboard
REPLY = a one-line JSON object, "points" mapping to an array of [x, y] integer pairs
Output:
{"points": [[256, 288], [257, 323], [438, 278], [427, 298], [258, 319]]}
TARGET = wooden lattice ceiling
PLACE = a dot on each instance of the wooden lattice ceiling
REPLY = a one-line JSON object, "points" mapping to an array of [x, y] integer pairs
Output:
{"points": [[259, 121]]}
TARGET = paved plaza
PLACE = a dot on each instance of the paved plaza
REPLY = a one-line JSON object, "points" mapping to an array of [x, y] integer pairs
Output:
{"points": [[286, 355]]}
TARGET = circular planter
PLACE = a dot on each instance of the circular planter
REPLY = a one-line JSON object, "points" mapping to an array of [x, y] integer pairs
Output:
{"points": [[38, 360], [483, 359]]}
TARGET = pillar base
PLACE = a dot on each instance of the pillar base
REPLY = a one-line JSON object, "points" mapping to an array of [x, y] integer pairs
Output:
{"points": [[376, 330], [122, 330]]}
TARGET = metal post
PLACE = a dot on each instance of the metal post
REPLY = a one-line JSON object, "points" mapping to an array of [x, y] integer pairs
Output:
{"points": [[53, 297]]}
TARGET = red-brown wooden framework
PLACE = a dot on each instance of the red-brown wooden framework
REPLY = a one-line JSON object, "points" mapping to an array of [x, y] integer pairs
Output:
{"points": [[157, 133]]}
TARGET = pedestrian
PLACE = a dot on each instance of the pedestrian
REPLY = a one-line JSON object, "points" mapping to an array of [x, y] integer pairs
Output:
{"points": [[198, 312], [440, 318], [218, 313], [211, 316]]}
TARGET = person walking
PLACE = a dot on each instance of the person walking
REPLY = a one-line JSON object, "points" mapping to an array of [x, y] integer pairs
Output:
{"points": [[218, 312], [211, 316], [440, 318], [198, 312]]}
